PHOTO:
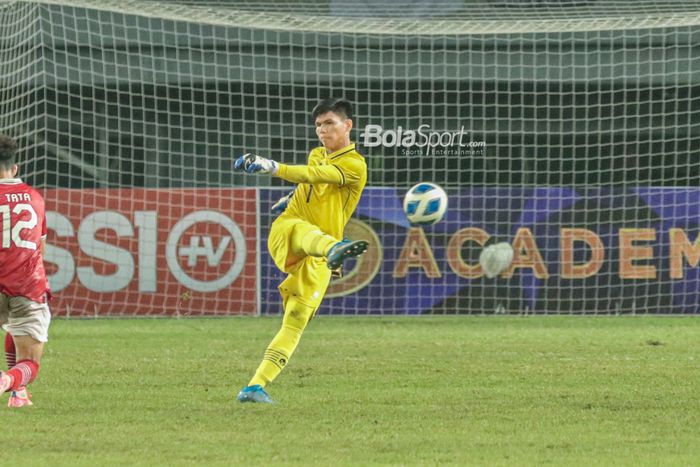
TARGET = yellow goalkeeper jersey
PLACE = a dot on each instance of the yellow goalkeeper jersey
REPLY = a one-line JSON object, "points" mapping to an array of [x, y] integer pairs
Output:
{"points": [[329, 188]]}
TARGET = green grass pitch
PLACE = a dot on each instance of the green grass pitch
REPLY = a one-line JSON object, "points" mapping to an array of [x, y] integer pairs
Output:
{"points": [[366, 391]]}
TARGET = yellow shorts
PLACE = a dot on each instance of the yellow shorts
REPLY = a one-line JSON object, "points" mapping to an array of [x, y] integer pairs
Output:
{"points": [[279, 243], [308, 276], [308, 283]]}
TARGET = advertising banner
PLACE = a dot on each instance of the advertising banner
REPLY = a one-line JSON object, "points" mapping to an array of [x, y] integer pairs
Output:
{"points": [[589, 250], [152, 252]]}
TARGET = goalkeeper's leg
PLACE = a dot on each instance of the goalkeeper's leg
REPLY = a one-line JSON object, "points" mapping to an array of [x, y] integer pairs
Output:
{"points": [[278, 353], [307, 239]]}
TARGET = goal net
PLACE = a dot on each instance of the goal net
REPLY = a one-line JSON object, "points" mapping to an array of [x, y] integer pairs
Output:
{"points": [[566, 128]]}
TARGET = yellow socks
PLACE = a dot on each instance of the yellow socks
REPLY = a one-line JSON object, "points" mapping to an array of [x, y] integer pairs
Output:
{"points": [[277, 354], [308, 239]]}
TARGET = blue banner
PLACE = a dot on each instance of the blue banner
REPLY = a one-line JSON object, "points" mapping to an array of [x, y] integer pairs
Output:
{"points": [[593, 250]]}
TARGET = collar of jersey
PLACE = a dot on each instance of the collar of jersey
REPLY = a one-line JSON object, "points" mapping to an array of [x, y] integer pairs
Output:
{"points": [[10, 181], [340, 152]]}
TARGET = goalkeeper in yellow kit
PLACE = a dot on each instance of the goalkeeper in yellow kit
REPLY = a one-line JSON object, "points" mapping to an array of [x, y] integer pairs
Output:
{"points": [[306, 240]]}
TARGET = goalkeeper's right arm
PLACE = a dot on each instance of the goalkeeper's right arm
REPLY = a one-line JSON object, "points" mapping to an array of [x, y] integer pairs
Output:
{"points": [[252, 163], [312, 174]]}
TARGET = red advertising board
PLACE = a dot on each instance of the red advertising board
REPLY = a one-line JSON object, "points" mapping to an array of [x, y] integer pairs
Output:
{"points": [[152, 252]]}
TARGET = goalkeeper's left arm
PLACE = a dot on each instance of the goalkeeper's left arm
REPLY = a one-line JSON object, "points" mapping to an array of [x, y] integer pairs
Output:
{"points": [[282, 203], [331, 173]]}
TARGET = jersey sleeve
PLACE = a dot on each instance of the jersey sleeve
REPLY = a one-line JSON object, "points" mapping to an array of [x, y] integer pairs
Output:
{"points": [[311, 174], [353, 170]]}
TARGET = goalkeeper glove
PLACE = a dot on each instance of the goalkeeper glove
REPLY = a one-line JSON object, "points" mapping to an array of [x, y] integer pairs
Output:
{"points": [[495, 259], [252, 163], [281, 204]]}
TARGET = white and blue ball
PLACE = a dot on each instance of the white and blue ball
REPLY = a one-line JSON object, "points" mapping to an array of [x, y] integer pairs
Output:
{"points": [[425, 204]]}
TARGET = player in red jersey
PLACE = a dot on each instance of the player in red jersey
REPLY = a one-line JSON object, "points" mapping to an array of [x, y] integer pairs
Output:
{"points": [[24, 289]]}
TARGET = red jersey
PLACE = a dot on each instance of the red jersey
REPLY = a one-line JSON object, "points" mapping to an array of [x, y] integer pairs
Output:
{"points": [[22, 228]]}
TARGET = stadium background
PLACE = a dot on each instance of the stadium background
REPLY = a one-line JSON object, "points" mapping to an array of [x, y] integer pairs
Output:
{"points": [[130, 113], [139, 108]]}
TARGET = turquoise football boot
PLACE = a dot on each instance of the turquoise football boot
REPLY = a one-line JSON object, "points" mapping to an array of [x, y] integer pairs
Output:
{"points": [[343, 250], [254, 393]]}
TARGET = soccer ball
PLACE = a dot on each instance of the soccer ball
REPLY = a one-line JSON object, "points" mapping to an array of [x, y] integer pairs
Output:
{"points": [[496, 258], [425, 204]]}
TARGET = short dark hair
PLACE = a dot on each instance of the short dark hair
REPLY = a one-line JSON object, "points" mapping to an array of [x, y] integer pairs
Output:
{"points": [[8, 151], [337, 106]]}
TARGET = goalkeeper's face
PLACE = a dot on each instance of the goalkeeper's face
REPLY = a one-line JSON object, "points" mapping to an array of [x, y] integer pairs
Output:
{"points": [[333, 130]]}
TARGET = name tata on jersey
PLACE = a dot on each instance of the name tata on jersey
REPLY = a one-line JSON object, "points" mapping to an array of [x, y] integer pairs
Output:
{"points": [[23, 224]]}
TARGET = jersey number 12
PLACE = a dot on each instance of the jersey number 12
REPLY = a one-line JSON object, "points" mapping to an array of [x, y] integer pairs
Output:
{"points": [[11, 232]]}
